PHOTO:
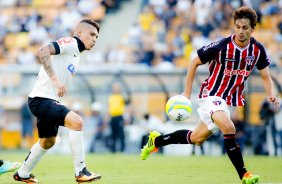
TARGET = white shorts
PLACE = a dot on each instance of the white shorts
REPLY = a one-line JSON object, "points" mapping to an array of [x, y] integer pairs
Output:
{"points": [[208, 106]]}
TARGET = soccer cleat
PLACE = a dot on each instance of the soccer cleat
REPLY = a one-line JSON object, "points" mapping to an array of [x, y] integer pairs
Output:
{"points": [[249, 178], [30, 179], [150, 146], [86, 176], [8, 166]]}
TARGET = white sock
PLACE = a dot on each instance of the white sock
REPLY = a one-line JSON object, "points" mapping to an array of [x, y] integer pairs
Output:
{"points": [[77, 148], [31, 161]]}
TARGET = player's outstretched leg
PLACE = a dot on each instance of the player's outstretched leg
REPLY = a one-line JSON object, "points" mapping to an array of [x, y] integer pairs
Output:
{"points": [[87, 176], [8, 166], [150, 146], [249, 178], [30, 179]]}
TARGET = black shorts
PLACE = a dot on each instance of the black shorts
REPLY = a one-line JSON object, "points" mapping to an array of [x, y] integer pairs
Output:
{"points": [[50, 115]]}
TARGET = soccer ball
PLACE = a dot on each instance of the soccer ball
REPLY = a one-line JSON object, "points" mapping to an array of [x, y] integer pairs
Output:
{"points": [[178, 108]]}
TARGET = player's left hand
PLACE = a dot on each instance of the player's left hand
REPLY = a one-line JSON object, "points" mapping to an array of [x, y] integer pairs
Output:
{"points": [[275, 101]]}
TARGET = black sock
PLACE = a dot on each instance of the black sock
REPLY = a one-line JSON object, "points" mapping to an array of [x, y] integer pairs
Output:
{"points": [[234, 152], [177, 137], [1, 163]]}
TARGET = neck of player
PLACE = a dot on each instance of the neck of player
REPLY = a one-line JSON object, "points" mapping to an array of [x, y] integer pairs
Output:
{"points": [[242, 43]]}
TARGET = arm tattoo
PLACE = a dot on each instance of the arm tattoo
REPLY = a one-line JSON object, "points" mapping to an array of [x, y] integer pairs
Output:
{"points": [[46, 62], [44, 57], [51, 48]]}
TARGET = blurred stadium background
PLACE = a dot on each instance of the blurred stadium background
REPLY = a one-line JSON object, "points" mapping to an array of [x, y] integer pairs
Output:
{"points": [[145, 45]]}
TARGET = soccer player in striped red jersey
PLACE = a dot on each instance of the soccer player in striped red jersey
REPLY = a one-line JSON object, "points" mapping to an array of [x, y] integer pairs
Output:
{"points": [[231, 61], [230, 64]]}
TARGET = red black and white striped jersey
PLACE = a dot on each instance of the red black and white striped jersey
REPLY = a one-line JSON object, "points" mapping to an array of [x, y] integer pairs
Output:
{"points": [[229, 67]]}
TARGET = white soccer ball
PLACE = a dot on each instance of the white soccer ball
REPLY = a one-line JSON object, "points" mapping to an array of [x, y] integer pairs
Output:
{"points": [[178, 108]]}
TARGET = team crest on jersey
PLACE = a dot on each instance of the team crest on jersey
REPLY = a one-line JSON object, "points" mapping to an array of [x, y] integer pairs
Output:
{"points": [[249, 59], [217, 102], [72, 69]]}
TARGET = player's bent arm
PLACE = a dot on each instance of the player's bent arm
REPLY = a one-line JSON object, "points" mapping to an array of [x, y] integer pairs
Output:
{"points": [[191, 71], [43, 56], [269, 87]]}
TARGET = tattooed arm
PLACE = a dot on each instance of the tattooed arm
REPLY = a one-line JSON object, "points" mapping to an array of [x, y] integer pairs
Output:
{"points": [[43, 56]]}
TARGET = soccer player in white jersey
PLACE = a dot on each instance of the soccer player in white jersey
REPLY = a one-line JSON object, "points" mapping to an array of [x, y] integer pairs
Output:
{"points": [[59, 61]]}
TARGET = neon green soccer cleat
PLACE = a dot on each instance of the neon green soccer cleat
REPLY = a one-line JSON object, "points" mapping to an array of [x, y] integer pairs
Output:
{"points": [[9, 166], [249, 178], [150, 146]]}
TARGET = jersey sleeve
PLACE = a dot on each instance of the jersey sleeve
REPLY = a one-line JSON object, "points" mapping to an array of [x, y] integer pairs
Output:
{"points": [[263, 60], [57, 47], [209, 52], [65, 45]]}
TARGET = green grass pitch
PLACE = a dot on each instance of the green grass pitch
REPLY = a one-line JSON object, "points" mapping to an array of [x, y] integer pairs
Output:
{"points": [[129, 169]]}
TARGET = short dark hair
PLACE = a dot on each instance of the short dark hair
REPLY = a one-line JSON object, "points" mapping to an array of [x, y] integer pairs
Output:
{"points": [[245, 12], [91, 22]]}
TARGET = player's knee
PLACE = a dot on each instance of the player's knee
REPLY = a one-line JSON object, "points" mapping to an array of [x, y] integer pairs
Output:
{"points": [[228, 128], [47, 143]]}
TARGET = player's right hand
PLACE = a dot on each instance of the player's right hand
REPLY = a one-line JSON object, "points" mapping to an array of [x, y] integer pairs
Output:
{"points": [[60, 87], [61, 90]]}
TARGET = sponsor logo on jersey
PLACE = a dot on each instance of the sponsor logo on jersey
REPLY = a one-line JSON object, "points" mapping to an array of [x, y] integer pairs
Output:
{"points": [[236, 72], [72, 69]]}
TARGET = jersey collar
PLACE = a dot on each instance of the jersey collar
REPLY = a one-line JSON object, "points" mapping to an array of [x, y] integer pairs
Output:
{"points": [[80, 44], [240, 48]]}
